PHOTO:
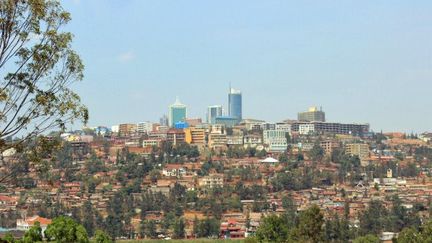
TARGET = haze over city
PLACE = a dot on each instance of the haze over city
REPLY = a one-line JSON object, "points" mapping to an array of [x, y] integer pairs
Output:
{"points": [[362, 62]]}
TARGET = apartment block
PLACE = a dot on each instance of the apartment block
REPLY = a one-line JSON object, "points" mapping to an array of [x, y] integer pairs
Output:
{"points": [[195, 136]]}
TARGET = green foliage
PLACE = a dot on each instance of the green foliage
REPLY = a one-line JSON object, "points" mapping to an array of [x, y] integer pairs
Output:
{"points": [[34, 234], [310, 227], [179, 229], [208, 165], [64, 229], [208, 227], [261, 154], [290, 215], [350, 164], [272, 229], [151, 229], [283, 157], [236, 152], [337, 230], [297, 179], [35, 92], [374, 218], [88, 219], [409, 235], [317, 152], [367, 239], [101, 237], [8, 238]]}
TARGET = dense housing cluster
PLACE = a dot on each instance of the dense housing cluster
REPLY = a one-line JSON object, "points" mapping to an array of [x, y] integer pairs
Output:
{"points": [[194, 179]]}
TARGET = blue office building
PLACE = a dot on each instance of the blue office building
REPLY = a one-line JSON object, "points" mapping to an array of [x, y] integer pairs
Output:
{"points": [[177, 113], [181, 125], [235, 104]]}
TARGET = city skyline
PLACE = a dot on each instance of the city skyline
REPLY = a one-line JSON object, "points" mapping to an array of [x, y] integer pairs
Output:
{"points": [[246, 121], [372, 67]]}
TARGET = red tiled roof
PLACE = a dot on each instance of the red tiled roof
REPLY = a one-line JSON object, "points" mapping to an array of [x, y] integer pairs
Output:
{"points": [[42, 221], [6, 199]]}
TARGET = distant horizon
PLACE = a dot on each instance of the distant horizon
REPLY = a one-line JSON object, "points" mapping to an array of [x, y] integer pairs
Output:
{"points": [[363, 62]]}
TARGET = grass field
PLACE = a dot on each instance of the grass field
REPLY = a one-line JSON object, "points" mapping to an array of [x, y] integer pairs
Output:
{"points": [[185, 241]]}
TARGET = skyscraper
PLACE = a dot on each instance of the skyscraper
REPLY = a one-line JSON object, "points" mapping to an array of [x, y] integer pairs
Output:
{"points": [[213, 112], [235, 104], [177, 112], [163, 121]]}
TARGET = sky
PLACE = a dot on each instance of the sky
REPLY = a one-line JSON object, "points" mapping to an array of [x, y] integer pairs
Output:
{"points": [[362, 61]]}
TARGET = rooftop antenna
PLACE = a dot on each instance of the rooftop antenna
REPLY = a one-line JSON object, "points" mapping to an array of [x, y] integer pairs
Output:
{"points": [[229, 87]]}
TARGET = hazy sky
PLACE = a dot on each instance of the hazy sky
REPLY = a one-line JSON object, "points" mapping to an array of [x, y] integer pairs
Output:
{"points": [[362, 61]]}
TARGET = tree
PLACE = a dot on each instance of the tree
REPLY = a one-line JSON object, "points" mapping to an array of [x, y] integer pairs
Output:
{"points": [[113, 226], [272, 229], [9, 238], [409, 235], [151, 229], [283, 157], [179, 229], [102, 237], [195, 228], [34, 234], [317, 152], [261, 154], [310, 227], [88, 219], [142, 229], [65, 229], [290, 215], [39, 67], [374, 218], [208, 227], [336, 230]]}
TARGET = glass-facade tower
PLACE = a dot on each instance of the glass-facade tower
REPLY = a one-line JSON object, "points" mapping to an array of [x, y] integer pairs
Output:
{"points": [[177, 113], [213, 112], [235, 104]]}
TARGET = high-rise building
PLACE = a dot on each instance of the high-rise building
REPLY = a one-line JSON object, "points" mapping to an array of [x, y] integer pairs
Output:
{"points": [[235, 104], [313, 114], [177, 113], [163, 121], [213, 112]]}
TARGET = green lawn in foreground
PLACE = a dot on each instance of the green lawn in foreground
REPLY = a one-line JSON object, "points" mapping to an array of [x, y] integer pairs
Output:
{"points": [[184, 241]]}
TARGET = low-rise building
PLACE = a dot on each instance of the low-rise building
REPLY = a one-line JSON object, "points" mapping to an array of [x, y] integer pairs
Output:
{"points": [[27, 223], [359, 149], [234, 140], [217, 138], [176, 136], [275, 140], [177, 170], [195, 136], [211, 181]]}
